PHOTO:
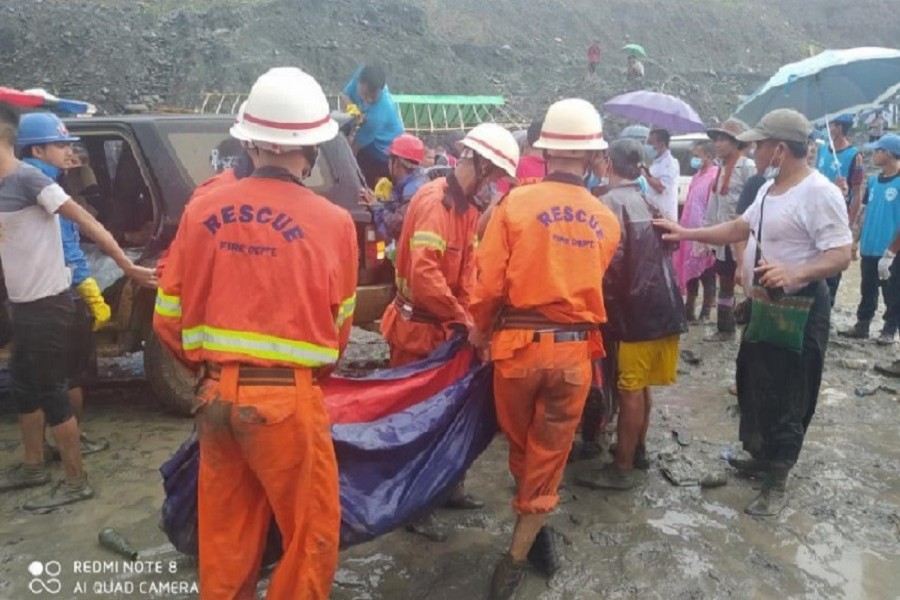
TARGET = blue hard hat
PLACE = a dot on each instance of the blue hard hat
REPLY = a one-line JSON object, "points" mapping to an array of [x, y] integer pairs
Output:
{"points": [[42, 128]]}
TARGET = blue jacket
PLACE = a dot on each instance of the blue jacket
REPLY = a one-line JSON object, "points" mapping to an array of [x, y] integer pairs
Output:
{"points": [[389, 216], [382, 123], [71, 240]]}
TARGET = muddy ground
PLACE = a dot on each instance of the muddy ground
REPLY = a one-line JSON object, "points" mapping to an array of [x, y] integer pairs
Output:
{"points": [[839, 538]]}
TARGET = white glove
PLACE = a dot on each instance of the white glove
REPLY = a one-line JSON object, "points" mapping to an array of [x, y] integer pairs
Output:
{"points": [[884, 265]]}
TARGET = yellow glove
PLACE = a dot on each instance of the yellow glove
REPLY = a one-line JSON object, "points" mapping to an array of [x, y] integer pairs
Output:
{"points": [[90, 293], [353, 111], [383, 189]]}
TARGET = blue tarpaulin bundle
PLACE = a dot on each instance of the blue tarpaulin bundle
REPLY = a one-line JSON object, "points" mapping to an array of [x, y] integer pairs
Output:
{"points": [[392, 468]]}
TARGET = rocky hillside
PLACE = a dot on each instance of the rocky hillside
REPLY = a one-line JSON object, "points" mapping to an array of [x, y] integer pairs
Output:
{"points": [[117, 52]]}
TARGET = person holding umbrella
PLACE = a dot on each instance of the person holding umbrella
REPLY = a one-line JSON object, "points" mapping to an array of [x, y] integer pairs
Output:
{"points": [[797, 236]]}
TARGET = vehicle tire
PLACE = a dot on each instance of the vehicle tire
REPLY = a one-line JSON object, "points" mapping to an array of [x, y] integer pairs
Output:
{"points": [[171, 383]]}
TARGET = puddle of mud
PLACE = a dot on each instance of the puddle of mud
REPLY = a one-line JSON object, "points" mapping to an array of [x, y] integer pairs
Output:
{"points": [[839, 538]]}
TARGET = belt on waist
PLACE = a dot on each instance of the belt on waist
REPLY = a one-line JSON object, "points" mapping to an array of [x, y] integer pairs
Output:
{"points": [[514, 318], [251, 376], [410, 312], [561, 337]]}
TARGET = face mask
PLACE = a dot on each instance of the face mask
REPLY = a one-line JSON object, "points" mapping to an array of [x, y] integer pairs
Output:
{"points": [[696, 163], [651, 151], [772, 172]]}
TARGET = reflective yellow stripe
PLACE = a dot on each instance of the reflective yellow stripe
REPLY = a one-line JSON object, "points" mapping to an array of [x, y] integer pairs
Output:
{"points": [[257, 345], [428, 239], [403, 286], [346, 310], [168, 306]]}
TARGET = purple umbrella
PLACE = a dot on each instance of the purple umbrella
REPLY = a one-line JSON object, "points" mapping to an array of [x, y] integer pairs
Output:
{"points": [[660, 110]]}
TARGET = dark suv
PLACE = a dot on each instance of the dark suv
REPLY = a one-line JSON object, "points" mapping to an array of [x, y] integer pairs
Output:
{"points": [[146, 168]]}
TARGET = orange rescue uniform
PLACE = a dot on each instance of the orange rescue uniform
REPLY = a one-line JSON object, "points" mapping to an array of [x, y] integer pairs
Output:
{"points": [[435, 269], [259, 291], [540, 268], [226, 177]]}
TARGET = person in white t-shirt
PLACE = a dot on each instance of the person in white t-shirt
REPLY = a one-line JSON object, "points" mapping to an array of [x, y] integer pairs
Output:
{"points": [[662, 177], [799, 224], [37, 281]]}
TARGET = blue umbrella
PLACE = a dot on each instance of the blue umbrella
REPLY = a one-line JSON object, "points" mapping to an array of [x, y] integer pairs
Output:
{"points": [[830, 83]]}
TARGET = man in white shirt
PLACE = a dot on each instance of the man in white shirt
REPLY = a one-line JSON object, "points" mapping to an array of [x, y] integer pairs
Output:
{"points": [[797, 236], [38, 282], [662, 178]]}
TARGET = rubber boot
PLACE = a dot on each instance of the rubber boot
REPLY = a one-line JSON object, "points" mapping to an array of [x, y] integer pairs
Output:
{"points": [[543, 555], [772, 498], [860, 331], [724, 324], [690, 308], [507, 578], [750, 467], [888, 335]]}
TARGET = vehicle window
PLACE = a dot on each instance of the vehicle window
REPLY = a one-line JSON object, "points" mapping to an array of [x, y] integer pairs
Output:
{"points": [[109, 183], [203, 154], [112, 150]]}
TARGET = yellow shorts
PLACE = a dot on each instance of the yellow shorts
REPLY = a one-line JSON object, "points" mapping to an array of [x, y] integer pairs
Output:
{"points": [[642, 364]]}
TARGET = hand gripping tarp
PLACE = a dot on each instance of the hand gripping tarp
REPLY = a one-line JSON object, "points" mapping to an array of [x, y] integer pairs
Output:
{"points": [[403, 438]]}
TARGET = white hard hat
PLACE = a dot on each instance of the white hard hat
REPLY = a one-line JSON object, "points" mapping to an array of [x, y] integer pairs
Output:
{"points": [[286, 108], [239, 118], [572, 124], [496, 144]]}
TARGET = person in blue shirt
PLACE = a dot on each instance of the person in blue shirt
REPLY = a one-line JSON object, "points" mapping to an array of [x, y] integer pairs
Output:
{"points": [[844, 168], [45, 143], [879, 243], [367, 97]]}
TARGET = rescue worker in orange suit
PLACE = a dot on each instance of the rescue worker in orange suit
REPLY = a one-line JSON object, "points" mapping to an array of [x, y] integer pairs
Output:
{"points": [[258, 295], [435, 266], [540, 268]]}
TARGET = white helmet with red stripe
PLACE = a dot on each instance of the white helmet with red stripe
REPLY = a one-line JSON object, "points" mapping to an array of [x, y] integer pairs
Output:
{"points": [[286, 109], [572, 125], [495, 144]]}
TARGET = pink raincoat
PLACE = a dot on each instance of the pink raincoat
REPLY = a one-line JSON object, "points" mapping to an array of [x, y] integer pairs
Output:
{"points": [[692, 258]]}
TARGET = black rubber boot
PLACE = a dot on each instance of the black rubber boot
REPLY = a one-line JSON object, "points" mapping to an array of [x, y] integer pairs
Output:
{"points": [[772, 498], [724, 324], [888, 335], [860, 331], [507, 578], [750, 467], [543, 555]]}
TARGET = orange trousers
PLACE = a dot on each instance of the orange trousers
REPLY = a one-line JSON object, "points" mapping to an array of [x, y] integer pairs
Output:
{"points": [[409, 340], [540, 393], [266, 449]]}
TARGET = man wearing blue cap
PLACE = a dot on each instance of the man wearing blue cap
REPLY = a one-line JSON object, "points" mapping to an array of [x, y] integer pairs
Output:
{"points": [[880, 242], [843, 166]]}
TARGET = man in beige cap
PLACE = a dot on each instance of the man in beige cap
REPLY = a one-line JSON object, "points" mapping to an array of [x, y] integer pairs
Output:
{"points": [[797, 236], [734, 171]]}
